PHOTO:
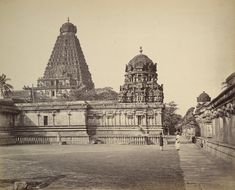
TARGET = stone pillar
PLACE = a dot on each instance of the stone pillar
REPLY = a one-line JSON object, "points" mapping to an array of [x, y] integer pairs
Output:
{"points": [[119, 117], [115, 118], [159, 117], [155, 118], [145, 119], [39, 115], [104, 120], [69, 115], [125, 115], [122, 118], [53, 118]]}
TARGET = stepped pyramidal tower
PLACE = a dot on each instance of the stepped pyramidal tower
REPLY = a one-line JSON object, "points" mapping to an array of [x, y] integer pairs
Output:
{"points": [[67, 68]]}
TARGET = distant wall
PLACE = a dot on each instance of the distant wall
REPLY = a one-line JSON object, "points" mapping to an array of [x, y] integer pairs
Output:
{"points": [[124, 119], [223, 129], [109, 122], [51, 114], [7, 120], [79, 122], [50, 117], [51, 122], [217, 124], [218, 149]]}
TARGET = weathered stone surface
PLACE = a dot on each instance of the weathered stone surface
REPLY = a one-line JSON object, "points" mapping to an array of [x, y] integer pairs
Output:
{"points": [[20, 185], [140, 83], [67, 68], [7, 113], [215, 120]]}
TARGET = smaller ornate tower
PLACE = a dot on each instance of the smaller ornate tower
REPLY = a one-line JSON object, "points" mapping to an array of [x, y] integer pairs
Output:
{"points": [[140, 83]]}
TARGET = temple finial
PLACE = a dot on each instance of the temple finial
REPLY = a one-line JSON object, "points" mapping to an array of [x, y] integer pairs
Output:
{"points": [[141, 50], [68, 19]]}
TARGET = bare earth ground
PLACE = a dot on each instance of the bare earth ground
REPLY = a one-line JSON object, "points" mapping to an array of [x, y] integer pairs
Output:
{"points": [[101, 167]]}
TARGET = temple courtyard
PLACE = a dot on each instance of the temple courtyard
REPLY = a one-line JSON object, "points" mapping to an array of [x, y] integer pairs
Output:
{"points": [[101, 167]]}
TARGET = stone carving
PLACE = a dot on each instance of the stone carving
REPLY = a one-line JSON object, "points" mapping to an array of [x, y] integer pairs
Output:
{"points": [[140, 83], [67, 68]]}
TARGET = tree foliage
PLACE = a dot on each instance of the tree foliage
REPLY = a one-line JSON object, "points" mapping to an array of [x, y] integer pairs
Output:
{"points": [[170, 118], [189, 117], [5, 88], [106, 93], [189, 121], [83, 95]]}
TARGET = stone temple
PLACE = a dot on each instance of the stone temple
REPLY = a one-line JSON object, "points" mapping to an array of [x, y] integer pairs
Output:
{"points": [[141, 81], [135, 118], [67, 68]]}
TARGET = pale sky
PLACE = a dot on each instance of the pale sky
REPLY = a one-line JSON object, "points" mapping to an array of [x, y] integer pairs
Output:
{"points": [[192, 41]]}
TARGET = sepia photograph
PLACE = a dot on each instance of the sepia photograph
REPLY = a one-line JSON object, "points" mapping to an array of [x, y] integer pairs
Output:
{"points": [[117, 95]]}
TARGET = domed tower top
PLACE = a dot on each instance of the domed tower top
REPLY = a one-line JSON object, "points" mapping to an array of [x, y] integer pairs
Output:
{"points": [[203, 98], [68, 27], [141, 62]]}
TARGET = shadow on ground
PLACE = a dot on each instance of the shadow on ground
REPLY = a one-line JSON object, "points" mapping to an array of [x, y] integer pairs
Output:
{"points": [[32, 183]]}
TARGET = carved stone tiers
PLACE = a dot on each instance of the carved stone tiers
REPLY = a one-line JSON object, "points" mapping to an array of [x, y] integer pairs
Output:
{"points": [[140, 83], [67, 68]]}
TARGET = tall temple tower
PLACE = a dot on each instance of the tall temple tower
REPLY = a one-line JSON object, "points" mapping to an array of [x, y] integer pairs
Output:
{"points": [[140, 85], [67, 68]]}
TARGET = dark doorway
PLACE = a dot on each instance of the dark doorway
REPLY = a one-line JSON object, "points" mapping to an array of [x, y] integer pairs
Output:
{"points": [[45, 120], [139, 119]]}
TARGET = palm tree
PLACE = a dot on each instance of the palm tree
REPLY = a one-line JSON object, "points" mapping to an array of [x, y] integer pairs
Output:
{"points": [[4, 86]]}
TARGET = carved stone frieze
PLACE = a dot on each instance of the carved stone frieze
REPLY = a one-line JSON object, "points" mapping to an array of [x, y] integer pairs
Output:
{"points": [[67, 68], [140, 84]]}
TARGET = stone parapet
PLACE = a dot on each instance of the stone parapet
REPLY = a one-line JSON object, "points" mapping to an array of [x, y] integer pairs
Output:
{"points": [[40, 106], [52, 140], [8, 106], [126, 139]]}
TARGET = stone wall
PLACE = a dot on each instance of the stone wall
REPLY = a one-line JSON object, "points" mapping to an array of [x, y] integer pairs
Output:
{"points": [[124, 122], [97, 122], [223, 129], [217, 123], [54, 122], [217, 119], [7, 119], [218, 149]]}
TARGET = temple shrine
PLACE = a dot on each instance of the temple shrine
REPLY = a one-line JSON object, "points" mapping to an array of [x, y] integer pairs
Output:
{"points": [[135, 118], [141, 81], [67, 68]]}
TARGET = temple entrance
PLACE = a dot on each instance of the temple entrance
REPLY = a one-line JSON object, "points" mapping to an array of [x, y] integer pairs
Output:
{"points": [[45, 120], [139, 121]]}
